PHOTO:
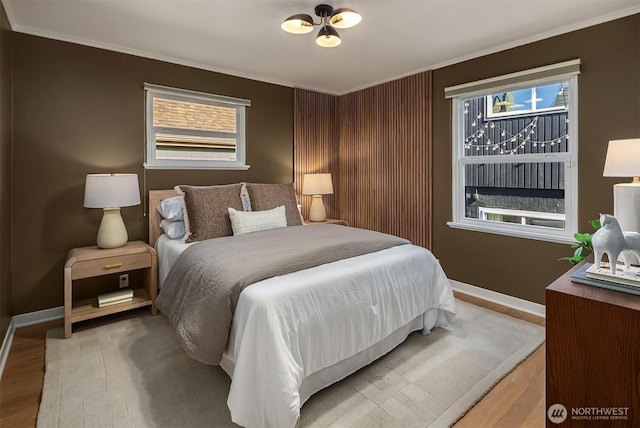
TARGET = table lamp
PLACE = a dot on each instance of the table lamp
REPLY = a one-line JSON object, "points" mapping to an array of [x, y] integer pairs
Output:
{"points": [[111, 192], [317, 185], [623, 160]]}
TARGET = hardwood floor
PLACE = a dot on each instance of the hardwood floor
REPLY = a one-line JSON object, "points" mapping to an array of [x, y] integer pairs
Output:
{"points": [[21, 383], [516, 401]]}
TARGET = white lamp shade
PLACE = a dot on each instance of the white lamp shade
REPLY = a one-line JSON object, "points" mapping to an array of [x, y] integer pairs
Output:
{"points": [[111, 190], [623, 158], [317, 184]]}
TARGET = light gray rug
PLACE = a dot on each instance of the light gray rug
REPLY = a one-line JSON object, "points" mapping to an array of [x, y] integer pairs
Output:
{"points": [[129, 371]]}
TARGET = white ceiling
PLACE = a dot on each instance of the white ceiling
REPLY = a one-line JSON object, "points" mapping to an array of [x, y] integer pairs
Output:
{"points": [[243, 37]]}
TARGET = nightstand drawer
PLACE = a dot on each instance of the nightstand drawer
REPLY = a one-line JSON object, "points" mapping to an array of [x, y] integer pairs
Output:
{"points": [[90, 268]]}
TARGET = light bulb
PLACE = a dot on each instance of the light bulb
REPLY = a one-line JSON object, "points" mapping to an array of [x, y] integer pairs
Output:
{"points": [[298, 24], [328, 37]]}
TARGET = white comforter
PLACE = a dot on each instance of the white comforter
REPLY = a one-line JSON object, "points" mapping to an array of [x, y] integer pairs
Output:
{"points": [[288, 327]]}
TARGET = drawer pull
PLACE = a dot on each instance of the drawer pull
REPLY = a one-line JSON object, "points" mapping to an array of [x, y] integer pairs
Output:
{"points": [[113, 265]]}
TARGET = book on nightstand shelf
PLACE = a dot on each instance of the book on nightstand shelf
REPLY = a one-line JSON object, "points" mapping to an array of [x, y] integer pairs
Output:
{"points": [[115, 302], [612, 282], [115, 297]]}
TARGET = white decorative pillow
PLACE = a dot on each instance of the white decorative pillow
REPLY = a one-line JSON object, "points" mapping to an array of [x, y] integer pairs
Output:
{"points": [[172, 209], [173, 229], [253, 221]]}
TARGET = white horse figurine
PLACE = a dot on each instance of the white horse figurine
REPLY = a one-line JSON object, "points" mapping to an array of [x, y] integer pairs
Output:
{"points": [[612, 241]]}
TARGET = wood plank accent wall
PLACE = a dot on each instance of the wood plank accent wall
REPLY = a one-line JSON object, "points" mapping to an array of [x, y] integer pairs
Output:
{"points": [[315, 142], [380, 154]]}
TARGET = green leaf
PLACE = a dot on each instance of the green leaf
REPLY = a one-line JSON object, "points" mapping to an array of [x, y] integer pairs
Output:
{"points": [[583, 238], [583, 246]]}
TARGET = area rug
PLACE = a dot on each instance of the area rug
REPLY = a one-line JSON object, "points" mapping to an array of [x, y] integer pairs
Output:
{"points": [[130, 371]]}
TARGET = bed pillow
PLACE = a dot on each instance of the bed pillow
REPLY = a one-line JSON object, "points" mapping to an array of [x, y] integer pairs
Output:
{"points": [[172, 208], [253, 221], [173, 229], [206, 214], [269, 196], [244, 196]]}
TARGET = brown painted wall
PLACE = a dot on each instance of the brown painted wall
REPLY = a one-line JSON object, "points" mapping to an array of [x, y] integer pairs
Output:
{"points": [[609, 108], [5, 171], [80, 110]]}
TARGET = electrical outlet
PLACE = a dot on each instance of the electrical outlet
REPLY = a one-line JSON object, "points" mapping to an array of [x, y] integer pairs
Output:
{"points": [[124, 280]]}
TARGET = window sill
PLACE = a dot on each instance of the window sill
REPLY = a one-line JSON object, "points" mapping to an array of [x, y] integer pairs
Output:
{"points": [[532, 232], [203, 167]]}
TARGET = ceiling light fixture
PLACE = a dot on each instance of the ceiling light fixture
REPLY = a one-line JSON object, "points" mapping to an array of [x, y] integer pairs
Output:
{"points": [[327, 37]]}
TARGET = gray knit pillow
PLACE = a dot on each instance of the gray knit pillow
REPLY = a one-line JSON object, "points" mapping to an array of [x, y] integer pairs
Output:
{"points": [[269, 196], [206, 210]]}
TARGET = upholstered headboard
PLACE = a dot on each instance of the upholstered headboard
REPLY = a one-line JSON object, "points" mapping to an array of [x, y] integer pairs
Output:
{"points": [[155, 197]]}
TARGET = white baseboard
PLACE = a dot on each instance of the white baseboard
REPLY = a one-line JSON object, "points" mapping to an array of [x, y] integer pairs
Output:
{"points": [[23, 320], [38, 317], [6, 345], [499, 298]]}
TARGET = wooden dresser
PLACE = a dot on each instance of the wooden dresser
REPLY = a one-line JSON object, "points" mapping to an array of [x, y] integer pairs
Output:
{"points": [[593, 355]]}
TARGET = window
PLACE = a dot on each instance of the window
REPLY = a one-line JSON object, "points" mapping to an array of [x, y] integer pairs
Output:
{"points": [[194, 130], [515, 153], [537, 99]]}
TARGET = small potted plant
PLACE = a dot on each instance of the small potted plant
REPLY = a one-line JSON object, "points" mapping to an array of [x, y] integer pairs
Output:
{"points": [[582, 245]]}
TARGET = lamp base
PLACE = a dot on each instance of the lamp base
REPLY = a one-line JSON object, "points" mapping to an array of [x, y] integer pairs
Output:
{"points": [[112, 232], [626, 209], [317, 211], [626, 206]]}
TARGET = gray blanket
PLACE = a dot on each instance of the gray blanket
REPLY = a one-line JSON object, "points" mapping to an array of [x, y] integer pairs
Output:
{"points": [[202, 289]]}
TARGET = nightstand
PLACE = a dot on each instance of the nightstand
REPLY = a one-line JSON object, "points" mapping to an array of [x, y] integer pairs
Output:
{"points": [[327, 221], [89, 262]]}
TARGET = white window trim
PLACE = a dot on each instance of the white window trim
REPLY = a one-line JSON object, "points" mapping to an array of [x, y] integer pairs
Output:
{"points": [[566, 71], [239, 104]]}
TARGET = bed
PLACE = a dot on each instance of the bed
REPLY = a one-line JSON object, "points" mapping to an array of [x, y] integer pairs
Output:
{"points": [[294, 333]]}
